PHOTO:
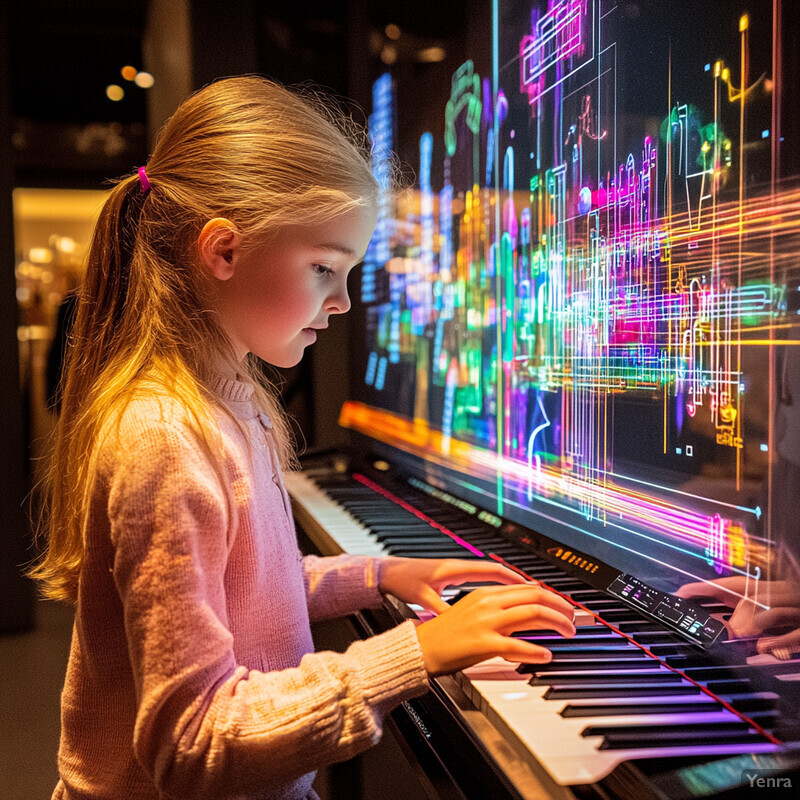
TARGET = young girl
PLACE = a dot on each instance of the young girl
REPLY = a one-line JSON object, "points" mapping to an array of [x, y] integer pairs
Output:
{"points": [[192, 672]]}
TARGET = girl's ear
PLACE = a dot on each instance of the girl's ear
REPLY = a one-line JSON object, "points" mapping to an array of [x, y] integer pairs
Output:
{"points": [[218, 246]]}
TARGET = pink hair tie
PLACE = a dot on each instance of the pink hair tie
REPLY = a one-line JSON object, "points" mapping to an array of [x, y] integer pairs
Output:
{"points": [[144, 180]]}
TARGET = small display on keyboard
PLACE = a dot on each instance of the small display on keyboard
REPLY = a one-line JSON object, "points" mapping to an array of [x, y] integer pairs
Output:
{"points": [[683, 616]]}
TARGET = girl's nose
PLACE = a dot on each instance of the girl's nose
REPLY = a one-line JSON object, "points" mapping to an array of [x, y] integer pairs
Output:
{"points": [[339, 302]]}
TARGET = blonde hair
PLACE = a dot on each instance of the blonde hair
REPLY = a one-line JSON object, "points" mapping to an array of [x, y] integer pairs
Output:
{"points": [[242, 148]]}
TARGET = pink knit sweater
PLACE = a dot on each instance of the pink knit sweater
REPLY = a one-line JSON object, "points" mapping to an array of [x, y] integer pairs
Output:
{"points": [[191, 673]]}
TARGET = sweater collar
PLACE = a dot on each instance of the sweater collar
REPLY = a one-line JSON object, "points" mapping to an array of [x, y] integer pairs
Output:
{"points": [[236, 395], [231, 390]]}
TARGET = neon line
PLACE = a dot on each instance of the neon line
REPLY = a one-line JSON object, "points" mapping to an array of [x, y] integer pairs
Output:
{"points": [[612, 543]]}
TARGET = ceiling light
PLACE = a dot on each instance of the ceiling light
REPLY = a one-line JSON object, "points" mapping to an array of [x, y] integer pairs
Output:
{"points": [[144, 80], [431, 55]]}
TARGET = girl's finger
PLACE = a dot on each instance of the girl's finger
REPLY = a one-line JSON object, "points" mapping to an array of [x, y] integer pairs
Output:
{"points": [[525, 618], [463, 571], [430, 599], [519, 651], [514, 595]]}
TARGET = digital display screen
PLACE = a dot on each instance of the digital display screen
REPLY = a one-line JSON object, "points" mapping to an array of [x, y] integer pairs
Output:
{"points": [[584, 316]]}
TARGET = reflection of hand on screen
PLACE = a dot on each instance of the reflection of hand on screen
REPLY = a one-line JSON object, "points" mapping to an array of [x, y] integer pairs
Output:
{"points": [[769, 610]]}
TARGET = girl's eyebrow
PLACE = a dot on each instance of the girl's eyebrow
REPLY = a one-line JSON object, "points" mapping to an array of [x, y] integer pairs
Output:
{"points": [[339, 248]]}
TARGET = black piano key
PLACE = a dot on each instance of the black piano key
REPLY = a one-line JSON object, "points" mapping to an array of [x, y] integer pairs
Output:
{"points": [[543, 570], [383, 510], [399, 525], [388, 513], [576, 692], [575, 678], [542, 576], [423, 532], [602, 659], [586, 594], [655, 637], [688, 726], [561, 664], [352, 492], [398, 537], [739, 671], [483, 539], [609, 661], [566, 584], [766, 718], [371, 521], [415, 538], [504, 551], [684, 660], [600, 648], [604, 618], [677, 647], [412, 545], [582, 633], [610, 606], [695, 738], [638, 709], [615, 614], [726, 688], [750, 701], [409, 537], [426, 551], [634, 628], [368, 502], [479, 533], [568, 648]]}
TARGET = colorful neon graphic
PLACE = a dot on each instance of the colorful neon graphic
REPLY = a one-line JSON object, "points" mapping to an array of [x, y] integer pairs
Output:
{"points": [[595, 334]]}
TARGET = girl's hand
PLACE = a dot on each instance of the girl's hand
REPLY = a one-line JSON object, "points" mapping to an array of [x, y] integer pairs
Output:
{"points": [[480, 626], [421, 580]]}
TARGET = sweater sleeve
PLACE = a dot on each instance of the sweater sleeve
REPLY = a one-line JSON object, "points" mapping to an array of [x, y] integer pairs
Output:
{"points": [[340, 585], [207, 726]]}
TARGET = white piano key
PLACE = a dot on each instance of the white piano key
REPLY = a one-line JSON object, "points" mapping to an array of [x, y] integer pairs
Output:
{"points": [[348, 533]]}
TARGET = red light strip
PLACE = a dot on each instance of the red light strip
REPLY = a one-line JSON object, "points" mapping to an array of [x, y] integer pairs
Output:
{"points": [[647, 650], [424, 517]]}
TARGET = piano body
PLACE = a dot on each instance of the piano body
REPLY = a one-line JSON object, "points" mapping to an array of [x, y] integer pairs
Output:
{"points": [[576, 352]]}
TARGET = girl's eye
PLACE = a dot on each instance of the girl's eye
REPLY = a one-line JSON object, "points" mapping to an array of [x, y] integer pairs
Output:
{"points": [[320, 269]]}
